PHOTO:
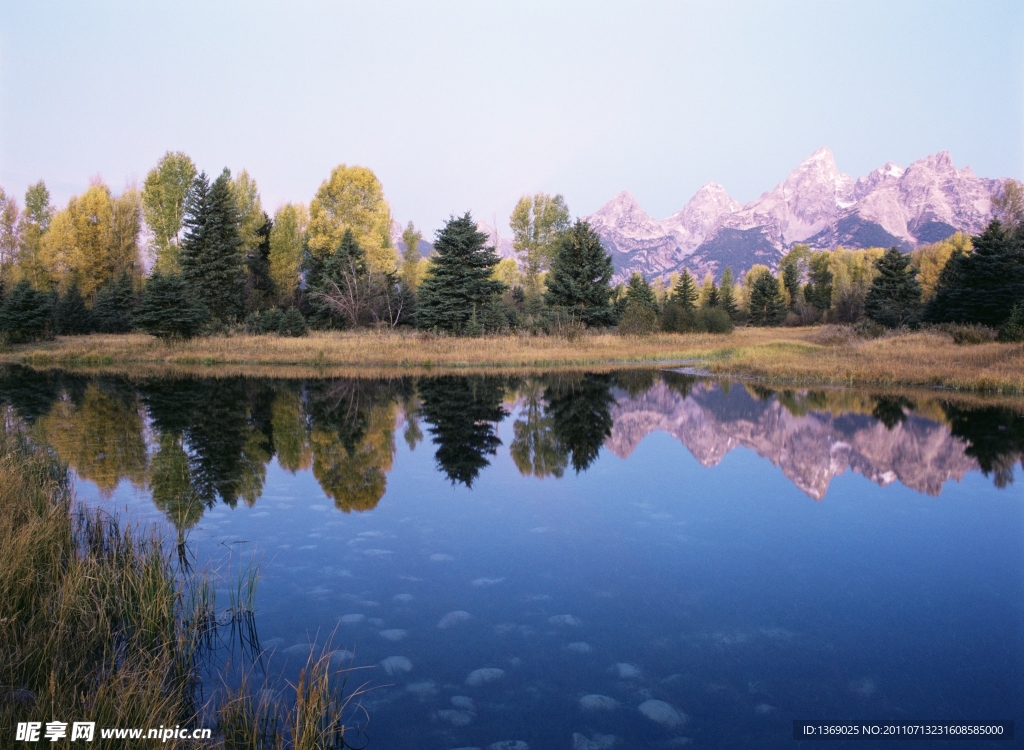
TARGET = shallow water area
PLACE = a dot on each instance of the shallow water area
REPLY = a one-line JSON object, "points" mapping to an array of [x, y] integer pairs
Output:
{"points": [[643, 559]]}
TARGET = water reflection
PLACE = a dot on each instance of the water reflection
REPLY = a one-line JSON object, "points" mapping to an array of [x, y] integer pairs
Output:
{"points": [[195, 442]]}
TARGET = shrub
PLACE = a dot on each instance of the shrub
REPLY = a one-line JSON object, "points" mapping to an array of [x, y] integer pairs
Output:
{"points": [[268, 321], [969, 334], [834, 335], [1013, 328], [638, 320], [713, 320], [292, 323]]}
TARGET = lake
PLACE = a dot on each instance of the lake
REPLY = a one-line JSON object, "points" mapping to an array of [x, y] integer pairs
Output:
{"points": [[638, 559]]}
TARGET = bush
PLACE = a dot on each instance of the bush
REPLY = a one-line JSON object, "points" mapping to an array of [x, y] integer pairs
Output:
{"points": [[869, 329], [268, 321], [969, 334], [26, 314], [713, 320], [292, 323], [1013, 328], [638, 320]]}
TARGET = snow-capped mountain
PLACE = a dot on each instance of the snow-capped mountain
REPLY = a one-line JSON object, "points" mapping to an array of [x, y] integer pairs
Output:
{"points": [[816, 204]]}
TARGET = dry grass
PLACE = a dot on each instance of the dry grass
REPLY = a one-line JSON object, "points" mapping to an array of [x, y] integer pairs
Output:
{"points": [[928, 359], [814, 355]]}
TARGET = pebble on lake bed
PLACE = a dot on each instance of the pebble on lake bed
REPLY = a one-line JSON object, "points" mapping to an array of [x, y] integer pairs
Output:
{"points": [[352, 619], [595, 702], [595, 742], [662, 713], [567, 620], [454, 618], [627, 671], [509, 745], [394, 634], [579, 647], [483, 676], [396, 665]]}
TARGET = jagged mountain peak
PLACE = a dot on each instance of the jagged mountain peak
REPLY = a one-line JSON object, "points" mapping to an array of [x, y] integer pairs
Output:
{"points": [[815, 203]]}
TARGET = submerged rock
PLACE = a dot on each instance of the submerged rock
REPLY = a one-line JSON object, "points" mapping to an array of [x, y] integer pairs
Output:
{"points": [[394, 634], [464, 702], [579, 647], [662, 713], [396, 665], [352, 619], [422, 690], [567, 620], [509, 745], [594, 702], [483, 676], [454, 618], [627, 671], [455, 718], [341, 657], [594, 742]]}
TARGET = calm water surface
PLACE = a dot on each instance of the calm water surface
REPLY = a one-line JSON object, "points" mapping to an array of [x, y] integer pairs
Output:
{"points": [[637, 560]]}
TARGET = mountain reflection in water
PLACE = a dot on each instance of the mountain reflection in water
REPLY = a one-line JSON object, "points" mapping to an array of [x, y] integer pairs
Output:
{"points": [[192, 442]]}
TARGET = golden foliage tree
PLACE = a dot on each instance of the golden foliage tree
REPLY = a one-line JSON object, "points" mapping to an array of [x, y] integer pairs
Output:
{"points": [[286, 239], [352, 198]]}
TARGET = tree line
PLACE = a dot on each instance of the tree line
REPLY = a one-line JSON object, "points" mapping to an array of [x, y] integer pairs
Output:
{"points": [[186, 255]]}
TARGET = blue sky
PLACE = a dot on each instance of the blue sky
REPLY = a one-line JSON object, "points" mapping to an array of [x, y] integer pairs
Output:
{"points": [[462, 106]]}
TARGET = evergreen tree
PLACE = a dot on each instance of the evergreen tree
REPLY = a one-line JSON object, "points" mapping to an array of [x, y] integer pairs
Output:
{"points": [[894, 298], [984, 285], [459, 280], [71, 317], [818, 290], [766, 307], [791, 280], [709, 292], [462, 414], [211, 258], [727, 295], [26, 314], [115, 305], [685, 292], [292, 323], [169, 309], [580, 411], [580, 276], [639, 294], [260, 290]]}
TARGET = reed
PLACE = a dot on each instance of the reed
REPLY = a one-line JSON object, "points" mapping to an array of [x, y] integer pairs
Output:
{"points": [[811, 355], [98, 623]]}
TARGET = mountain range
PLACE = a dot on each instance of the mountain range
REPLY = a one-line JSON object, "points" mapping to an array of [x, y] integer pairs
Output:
{"points": [[816, 204]]}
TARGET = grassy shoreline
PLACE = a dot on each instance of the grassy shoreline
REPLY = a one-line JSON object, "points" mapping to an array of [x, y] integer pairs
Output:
{"points": [[799, 356]]}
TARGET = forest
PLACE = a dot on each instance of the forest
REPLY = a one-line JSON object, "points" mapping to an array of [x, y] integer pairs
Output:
{"points": [[188, 255]]}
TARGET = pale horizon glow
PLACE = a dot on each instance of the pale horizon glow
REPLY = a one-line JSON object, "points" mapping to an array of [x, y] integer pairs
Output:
{"points": [[467, 106]]}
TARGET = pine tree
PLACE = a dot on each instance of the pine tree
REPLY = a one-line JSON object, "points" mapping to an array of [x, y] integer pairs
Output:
{"points": [[685, 292], [115, 305], [169, 309], [580, 277], [791, 280], [71, 317], [459, 279], [292, 323], [640, 294], [894, 298], [212, 263], [26, 314], [260, 290], [984, 285], [766, 308], [727, 295]]}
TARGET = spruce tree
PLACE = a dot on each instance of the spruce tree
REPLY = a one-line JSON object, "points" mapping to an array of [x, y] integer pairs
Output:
{"points": [[639, 294], [71, 317], [115, 305], [766, 307], [791, 280], [292, 323], [169, 309], [26, 314], [727, 295], [212, 261], [580, 277], [685, 292], [260, 291], [984, 285], [894, 298], [459, 280]]}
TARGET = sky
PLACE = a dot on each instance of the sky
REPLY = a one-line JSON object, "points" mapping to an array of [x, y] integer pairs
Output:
{"points": [[462, 106]]}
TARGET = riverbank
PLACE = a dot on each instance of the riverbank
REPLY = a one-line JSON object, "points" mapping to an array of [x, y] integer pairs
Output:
{"points": [[808, 356]]}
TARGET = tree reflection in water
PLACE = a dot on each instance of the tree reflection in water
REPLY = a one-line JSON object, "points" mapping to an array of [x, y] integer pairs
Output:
{"points": [[193, 442]]}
